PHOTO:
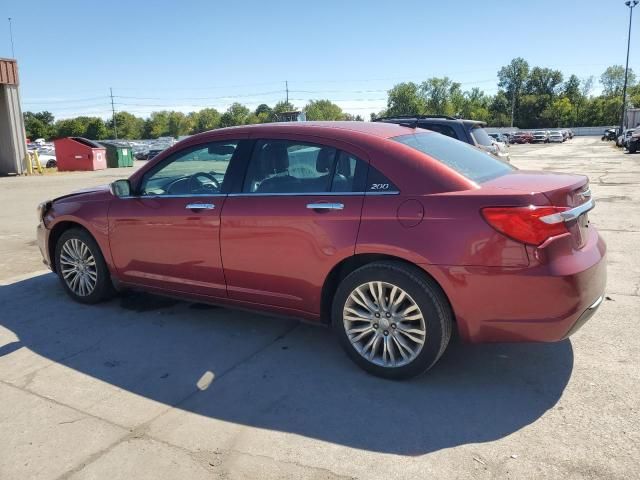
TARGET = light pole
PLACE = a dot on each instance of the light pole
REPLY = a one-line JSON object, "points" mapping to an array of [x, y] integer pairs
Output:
{"points": [[630, 4], [13, 54]]}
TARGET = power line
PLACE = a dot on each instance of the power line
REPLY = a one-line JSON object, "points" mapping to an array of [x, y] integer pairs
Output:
{"points": [[72, 100]]}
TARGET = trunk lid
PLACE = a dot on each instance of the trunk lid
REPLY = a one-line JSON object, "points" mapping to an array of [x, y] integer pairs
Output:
{"points": [[561, 189]]}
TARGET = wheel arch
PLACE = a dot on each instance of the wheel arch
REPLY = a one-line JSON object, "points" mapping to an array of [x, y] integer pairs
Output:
{"points": [[352, 263], [56, 232]]}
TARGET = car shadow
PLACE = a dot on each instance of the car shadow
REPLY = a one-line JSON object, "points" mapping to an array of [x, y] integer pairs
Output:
{"points": [[277, 374]]}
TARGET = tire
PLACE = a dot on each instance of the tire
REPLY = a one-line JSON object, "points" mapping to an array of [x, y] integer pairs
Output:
{"points": [[74, 250], [420, 291], [633, 147]]}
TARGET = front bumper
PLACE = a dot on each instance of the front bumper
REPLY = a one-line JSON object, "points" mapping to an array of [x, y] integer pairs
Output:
{"points": [[42, 236]]}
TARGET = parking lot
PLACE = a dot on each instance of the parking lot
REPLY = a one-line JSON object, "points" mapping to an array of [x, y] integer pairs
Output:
{"points": [[149, 387]]}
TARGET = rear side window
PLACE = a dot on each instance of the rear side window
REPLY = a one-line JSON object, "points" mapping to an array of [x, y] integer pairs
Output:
{"points": [[291, 167], [474, 164], [443, 129]]}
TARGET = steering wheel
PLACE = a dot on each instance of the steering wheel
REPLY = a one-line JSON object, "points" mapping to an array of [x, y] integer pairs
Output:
{"points": [[211, 185]]}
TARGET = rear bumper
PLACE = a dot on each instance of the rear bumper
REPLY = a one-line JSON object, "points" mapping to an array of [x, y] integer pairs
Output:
{"points": [[543, 303]]}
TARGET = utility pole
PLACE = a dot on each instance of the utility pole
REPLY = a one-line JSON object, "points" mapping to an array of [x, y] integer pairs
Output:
{"points": [[286, 87], [513, 106], [113, 110], [13, 53], [630, 4]]}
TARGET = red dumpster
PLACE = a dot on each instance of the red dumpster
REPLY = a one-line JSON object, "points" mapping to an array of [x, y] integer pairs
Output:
{"points": [[77, 153]]}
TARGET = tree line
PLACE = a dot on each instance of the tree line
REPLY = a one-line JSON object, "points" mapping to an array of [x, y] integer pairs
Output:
{"points": [[168, 123], [527, 97]]}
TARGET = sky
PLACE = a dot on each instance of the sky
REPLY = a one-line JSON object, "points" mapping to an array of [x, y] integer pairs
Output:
{"points": [[194, 54]]}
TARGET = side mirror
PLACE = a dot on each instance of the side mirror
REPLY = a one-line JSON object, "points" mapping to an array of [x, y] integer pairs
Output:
{"points": [[120, 188]]}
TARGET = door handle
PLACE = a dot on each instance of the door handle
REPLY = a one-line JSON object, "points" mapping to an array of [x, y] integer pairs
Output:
{"points": [[325, 206], [200, 206]]}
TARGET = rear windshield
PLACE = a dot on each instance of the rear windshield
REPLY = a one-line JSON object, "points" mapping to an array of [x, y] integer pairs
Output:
{"points": [[469, 161], [481, 136]]}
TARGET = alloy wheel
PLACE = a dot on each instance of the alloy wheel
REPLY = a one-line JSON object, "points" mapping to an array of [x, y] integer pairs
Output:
{"points": [[384, 324], [78, 267]]}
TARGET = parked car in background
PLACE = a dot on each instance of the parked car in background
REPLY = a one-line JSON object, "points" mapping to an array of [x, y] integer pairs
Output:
{"points": [[467, 131], [522, 137], [633, 144], [610, 134], [500, 137], [142, 155], [556, 137], [395, 236], [540, 136], [622, 140], [152, 153]]}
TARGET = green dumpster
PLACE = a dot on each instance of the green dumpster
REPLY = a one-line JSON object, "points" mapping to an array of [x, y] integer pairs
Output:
{"points": [[118, 155]]}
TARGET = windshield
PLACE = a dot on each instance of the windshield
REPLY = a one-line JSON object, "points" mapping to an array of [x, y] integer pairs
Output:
{"points": [[481, 136], [471, 162]]}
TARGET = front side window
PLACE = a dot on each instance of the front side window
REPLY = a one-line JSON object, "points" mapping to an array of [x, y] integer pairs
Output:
{"points": [[195, 171], [471, 162]]}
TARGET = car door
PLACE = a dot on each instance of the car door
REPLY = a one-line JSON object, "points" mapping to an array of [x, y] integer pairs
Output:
{"points": [[296, 216], [166, 235]]}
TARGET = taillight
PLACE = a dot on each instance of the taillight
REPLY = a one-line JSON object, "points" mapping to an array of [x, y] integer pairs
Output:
{"points": [[532, 225]]}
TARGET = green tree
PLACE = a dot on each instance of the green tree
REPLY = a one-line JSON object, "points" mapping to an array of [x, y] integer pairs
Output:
{"points": [[404, 99], [475, 105], [96, 129], [612, 80], [544, 81], [38, 125], [500, 110], [204, 120], [263, 108], [70, 127], [571, 89], [178, 124], [323, 110], [236, 114], [157, 125], [127, 126], [438, 94], [512, 79], [560, 113]]}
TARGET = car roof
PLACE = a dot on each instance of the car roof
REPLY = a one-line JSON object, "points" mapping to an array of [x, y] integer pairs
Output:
{"points": [[339, 129], [433, 119]]}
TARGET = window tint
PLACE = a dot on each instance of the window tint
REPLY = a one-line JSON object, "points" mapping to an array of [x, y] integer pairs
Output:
{"points": [[195, 171], [443, 129], [463, 158], [283, 166], [349, 174]]}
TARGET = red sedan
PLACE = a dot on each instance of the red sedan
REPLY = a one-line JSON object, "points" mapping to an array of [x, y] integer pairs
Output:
{"points": [[395, 236]]}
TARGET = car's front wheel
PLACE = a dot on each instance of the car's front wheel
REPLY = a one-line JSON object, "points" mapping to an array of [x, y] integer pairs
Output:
{"points": [[392, 320], [81, 267]]}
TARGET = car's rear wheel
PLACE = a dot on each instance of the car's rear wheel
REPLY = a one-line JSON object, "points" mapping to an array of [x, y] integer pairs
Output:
{"points": [[392, 320], [81, 267]]}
